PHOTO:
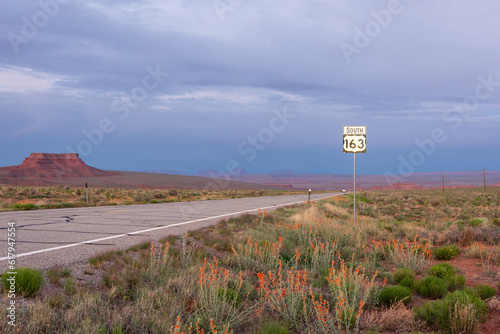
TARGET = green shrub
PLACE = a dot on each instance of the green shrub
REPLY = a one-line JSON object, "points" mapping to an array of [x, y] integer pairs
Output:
{"points": [[27, 281], [432, 287], [460, 296], [441, 270], [402, 273], [445, 252], [392, 294], [230, 295], [408, 282], [461, 311], [70, 286], [447, 272], [476, 222], [117, 330], [455, 282], [458, 312], [429, 312], [461, 224], [374, 297], [24, 207], [273, 327], [483, 291]]}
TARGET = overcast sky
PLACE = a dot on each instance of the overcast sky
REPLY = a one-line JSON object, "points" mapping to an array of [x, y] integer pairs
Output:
{"points": [[265, 85]]}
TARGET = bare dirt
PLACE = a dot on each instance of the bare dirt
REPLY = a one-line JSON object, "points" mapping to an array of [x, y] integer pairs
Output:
{"points": [[477, 272]]}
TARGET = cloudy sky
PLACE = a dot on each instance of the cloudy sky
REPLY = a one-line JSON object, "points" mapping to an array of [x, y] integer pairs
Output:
{"points": [[265, 85]]}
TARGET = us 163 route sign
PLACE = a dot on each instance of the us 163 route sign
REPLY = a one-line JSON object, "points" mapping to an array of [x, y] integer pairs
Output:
{"points": [[355, 139]]}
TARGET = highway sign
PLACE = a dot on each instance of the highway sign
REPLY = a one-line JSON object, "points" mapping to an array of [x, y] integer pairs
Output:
{"points": [[355, 130], [354, 139], [354, 142]]}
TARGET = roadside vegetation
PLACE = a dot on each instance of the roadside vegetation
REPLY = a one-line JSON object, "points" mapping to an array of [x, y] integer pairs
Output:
{"points": [[301, 269], [33, 198]]}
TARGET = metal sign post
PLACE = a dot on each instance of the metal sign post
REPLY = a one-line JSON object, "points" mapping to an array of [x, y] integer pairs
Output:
{"points": [[354, 187], [87, 192], [354, 142]]}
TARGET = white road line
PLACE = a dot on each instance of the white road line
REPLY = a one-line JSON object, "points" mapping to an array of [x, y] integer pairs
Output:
{"points": [[153, 229]]}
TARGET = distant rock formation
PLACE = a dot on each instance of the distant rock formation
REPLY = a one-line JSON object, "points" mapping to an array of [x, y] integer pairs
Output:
{"points": [[50, 166]]}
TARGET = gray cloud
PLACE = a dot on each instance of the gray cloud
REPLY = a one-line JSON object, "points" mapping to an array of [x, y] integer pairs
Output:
{"points": [[226, 76]]}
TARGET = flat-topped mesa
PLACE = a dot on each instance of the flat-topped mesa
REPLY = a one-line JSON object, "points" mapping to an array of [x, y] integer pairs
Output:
{"points": [[52, 165], [44, 159]]}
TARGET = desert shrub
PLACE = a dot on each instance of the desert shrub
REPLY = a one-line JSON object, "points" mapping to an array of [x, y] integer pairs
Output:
{"points": [[272, 327], [465, 213], [445, 252], [351, 288], [70, 286], [218, 298], [143, 197], [402, 273], [24, 207], [458, 312], [285, 293], [55, 274], [408, 282], [461, 312], [432, 287], [447, 273], [483, 291], [27, 281], [429, 312], [455, 282], [476, 222], [395, 319], [410, 255], [263, 256], [462, 319], [441, 270], [460, 223], [477, 250], [467, 237], [393, 294]]}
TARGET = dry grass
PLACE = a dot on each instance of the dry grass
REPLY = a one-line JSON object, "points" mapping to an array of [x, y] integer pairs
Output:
{"points": [[152, 291], [395, 319], [464, 319]]}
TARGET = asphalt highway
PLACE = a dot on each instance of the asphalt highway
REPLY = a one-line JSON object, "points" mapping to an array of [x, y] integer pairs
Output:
{"points": [[62, 237]]}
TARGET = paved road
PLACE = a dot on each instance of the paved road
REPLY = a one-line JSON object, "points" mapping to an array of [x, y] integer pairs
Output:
{"points": [[45, 238]]}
